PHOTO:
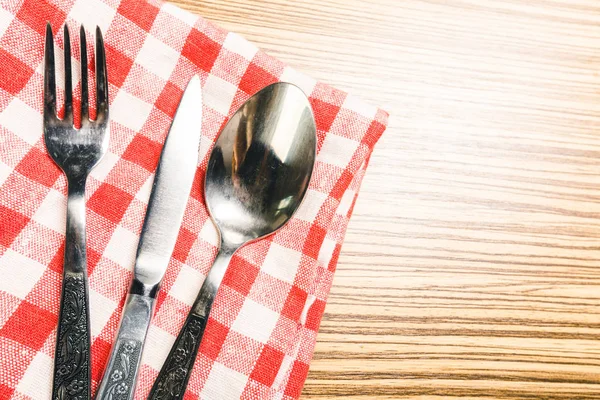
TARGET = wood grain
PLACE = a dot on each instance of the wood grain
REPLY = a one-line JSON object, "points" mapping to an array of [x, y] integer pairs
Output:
{"points": [[471, 265]]}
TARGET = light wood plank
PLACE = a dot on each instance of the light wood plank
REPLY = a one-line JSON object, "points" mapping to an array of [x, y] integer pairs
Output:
{"points": [[470, 268]]}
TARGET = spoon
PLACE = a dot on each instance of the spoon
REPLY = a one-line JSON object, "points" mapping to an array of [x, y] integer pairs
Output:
{"points": [[257, 175]]}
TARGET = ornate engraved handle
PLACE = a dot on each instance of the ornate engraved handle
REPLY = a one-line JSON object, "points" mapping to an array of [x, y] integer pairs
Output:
{"points": [[72, 370], [120, 376], [121, 372], [175, 373], [72, 362]]}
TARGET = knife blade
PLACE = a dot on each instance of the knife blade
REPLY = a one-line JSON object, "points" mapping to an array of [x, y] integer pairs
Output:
{"points": [[166, 206]]}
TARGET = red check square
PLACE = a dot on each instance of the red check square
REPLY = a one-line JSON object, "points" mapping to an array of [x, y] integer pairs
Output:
{"points": [[255, 78], [341, 185], [29, 325], [139, 12], [201, 50], [184, 243], [296, 380], [373, 133], [12, 224], [325, 113], [118, 64], [334, 258], [214, 337], [110, 202], [143, 152], [294, 303], [267, 366], [93, 258], [5, 391], [314, 241], [240, 275], [315, 312], [169, 98], [37, 166], [15, 73], [31, 10]]}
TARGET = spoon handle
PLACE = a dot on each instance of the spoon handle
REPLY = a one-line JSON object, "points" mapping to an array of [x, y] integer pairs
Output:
{"points": [[177, 369]]}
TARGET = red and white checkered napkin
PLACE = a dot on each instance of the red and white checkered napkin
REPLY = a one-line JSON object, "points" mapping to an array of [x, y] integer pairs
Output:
{"points": [[261, 335]]}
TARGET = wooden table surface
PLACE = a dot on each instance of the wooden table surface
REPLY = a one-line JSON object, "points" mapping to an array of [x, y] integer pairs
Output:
{"points": [[471, 265]]}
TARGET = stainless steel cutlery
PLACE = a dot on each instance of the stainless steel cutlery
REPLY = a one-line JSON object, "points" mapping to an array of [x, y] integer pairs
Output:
{"points": [[257, 175], [76, 151], [169, 197]]}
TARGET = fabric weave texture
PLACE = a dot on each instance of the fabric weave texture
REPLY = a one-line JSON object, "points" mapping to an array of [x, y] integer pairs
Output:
{"points": [[262, 331]]}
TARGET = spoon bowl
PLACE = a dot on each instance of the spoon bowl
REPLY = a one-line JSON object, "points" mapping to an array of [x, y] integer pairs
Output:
{"points": [[261, 163], [257, 175]]}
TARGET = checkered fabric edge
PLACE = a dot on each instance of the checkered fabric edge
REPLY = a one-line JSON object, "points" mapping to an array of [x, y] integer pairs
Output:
{"points": [[262, 331]]}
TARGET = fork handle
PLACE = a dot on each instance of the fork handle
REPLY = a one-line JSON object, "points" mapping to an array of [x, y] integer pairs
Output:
{"points": [[72, 366]]}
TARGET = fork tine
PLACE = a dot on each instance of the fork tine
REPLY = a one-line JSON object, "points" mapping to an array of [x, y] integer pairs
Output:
{"points": [[101, 78], [84, 77], [49, 79], [68, 79]]}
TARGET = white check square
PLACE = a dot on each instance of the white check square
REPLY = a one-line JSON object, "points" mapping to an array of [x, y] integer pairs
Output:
{"points": [[5, 171], [37, 381], [209, 233], [130, 111], [5, 19], [106, 164], [239, 45], [182, 15], [326, 251], [122, 248], [360, 107], [186, 285], [255, 321], [101, 309], [156, 349], [310, 206], [157, 57], [23, 272], [219, 94], [282, 263], [52, 212], [304, 82], [337, 150], [92, 13], [345, 202], [224, 383], [23, 121]]}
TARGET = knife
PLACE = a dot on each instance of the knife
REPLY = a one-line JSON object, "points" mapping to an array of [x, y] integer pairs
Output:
{"points": [[169, 197]]}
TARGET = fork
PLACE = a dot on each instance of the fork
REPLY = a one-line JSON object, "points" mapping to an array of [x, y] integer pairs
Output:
{"points": [[76, 152]]}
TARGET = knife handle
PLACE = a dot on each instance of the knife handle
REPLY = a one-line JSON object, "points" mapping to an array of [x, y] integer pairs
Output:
{"points": [[120, 375]]}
